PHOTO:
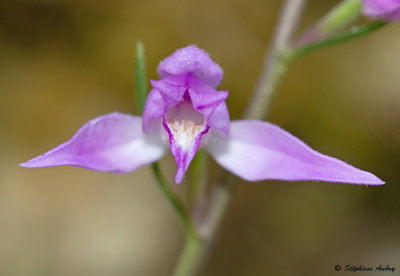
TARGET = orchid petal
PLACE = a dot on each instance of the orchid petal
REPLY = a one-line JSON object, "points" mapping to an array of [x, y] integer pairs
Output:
{"points": [[166, 94], [154, 109], [220, 120], [170, 92], [205, 103], [191, 60], [112, 143], [259, 150], [211, 103]]}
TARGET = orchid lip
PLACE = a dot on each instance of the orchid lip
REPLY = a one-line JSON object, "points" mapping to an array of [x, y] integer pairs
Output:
{"points": [[185, 127]]}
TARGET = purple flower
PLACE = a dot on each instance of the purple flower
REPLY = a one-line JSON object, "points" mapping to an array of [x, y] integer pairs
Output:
{"points": [[185, 111], [388, 10]]}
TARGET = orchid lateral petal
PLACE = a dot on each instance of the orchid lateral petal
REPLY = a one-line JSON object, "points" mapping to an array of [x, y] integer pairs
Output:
{"points": [[206, 103], [154, 108], [220, 120], [166, 94], [111, 143], [191, 60], [259, 150]]}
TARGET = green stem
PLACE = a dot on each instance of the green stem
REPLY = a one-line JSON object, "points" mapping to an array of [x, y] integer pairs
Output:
{"points": [[355, 32], [341, 15], [337, 18], [196, 247], [175, 201], [190, 260], [141, 79], [196, 189]]}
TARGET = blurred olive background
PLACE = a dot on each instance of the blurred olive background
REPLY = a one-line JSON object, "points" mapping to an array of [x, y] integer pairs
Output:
{"points": [[63, 63]]}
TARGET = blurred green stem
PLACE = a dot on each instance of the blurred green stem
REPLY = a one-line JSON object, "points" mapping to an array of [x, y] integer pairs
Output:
{"points": [[191, 257], [196, 189], [354, 32], [175, 201], [141, 78], [340, 16]]}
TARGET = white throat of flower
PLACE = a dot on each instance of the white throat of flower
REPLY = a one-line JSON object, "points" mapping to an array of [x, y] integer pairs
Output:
{"points": [[185, 125]]}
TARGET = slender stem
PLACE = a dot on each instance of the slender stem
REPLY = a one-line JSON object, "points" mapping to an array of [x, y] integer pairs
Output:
{"points": [[338, 17], [218, 204], [141, 79], [341, 15], [191, 256], [339, 38], [198, 179], [274, 66], [175, 201], [197, 247]]}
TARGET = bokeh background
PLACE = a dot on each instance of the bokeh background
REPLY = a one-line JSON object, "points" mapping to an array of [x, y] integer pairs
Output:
{"points": [[64, 62]]}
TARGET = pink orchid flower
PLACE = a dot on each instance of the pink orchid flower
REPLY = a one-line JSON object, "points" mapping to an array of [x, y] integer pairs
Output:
{"points": [[388, 10], [185, 111]]}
